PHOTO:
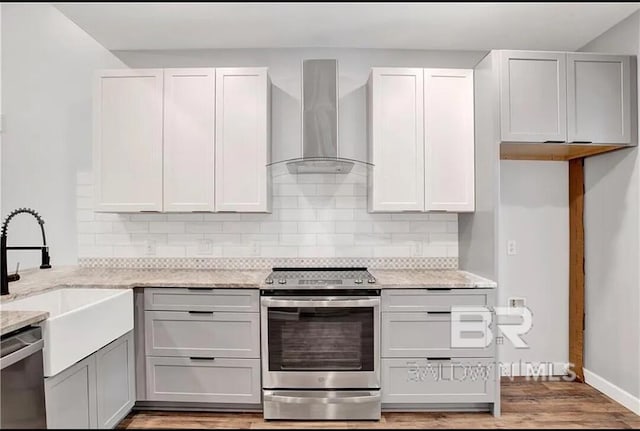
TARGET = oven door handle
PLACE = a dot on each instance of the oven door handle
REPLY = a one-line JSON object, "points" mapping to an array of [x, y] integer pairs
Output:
{"points": [[353, 398], [322, 302]]}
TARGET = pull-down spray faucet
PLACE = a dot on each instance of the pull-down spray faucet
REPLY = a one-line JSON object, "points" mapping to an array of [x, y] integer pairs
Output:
{"points": [[4, 277]]}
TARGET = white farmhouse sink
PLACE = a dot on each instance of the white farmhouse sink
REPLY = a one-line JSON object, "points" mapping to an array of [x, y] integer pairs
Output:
{"points": [[80, 322]]}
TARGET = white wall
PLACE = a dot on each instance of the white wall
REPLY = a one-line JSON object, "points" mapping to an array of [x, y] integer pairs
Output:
{"points": [[47, 66], [534, 212], [612, 236]]}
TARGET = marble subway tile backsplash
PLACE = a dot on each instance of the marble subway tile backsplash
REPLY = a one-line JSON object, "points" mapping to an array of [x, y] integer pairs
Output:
{"points": [[314, 216]]}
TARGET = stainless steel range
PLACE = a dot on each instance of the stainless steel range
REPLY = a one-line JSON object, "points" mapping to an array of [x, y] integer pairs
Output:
{"points": [[320, 344]]}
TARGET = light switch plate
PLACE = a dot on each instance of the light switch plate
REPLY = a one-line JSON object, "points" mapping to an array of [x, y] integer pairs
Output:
{"points": [[517, 302], [511, 247]]}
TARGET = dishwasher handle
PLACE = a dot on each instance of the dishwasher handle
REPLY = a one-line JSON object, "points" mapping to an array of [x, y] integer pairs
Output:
{"points": [[19, 347]]}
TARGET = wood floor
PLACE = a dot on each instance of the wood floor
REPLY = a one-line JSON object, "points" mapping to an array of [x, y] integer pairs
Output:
{"points": [[524, 405]]}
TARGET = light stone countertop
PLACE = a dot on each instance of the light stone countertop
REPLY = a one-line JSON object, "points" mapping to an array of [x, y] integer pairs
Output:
{"points": [[35, 281], [422, 278], [12, 320]]}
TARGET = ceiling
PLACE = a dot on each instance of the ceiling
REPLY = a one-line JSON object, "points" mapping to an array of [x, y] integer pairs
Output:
{"points": [[456, 26]]}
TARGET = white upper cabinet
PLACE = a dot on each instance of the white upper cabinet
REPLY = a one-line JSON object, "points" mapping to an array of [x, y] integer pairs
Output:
{"points": [[189, 133], [128, 140], [242, 140], [396, 139], [598, 98], [182, 140], [533, 92], [449, 140], [421, 140]]}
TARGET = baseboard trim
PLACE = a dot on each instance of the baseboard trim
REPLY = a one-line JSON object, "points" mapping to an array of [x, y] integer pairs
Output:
{"points": [[614, 392], [196, 407]]}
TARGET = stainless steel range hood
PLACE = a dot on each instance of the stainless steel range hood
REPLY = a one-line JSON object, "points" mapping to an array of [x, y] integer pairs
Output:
{"points": [[320, 121]]}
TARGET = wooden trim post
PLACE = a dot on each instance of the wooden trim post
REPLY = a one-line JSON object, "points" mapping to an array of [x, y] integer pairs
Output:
{"points": [[576, 265]]}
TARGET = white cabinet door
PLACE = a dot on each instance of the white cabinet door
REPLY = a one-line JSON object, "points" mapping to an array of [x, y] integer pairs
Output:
{"points": [[449, 140], [189, 104], [242, 140], [533, 93], [128, 140], [396, 140], [598, 98]]}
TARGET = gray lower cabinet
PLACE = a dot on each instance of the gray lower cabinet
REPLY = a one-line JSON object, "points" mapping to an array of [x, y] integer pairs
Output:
{"points": [[97, 392], [458, 380], [198, 346], [423, 366], [70, 396], [203, 380], [411, 300], [201, 299], [115, 381], [426, 334], [219, 334]]}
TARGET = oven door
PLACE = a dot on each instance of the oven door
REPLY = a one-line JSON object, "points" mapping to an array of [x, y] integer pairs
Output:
{"points": [[320, 342]]}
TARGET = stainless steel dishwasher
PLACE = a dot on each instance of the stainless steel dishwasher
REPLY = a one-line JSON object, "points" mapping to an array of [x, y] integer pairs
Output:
{"points": [[22, 380]]}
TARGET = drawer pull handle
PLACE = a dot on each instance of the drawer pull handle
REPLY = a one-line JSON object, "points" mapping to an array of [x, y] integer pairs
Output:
{"points": [[441, 289], [201, 358], [200, 312], [438, 312], [199, 288], [438, 359]]}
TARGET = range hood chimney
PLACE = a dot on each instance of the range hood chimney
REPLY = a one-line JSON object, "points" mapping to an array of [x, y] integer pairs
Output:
{"points": [[320, 121]]}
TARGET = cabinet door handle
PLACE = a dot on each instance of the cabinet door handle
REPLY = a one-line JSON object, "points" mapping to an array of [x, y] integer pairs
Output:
{"points": [[442, 289], [438, 312], [554, 142], [199, 288], [581, 142], [438, 359], [200, 312], [201, 358]]}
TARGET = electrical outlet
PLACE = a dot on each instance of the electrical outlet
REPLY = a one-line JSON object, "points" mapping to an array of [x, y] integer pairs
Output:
{"points": [[511, 247], [205, 247], [150, 249], [517, 302], [255, 249]]}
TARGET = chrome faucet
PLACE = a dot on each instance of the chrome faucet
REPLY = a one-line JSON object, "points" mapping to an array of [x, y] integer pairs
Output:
{"points": [[4, 277]]}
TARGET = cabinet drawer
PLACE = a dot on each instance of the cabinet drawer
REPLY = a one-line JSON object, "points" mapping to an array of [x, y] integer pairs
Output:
{"points": [[197, 380], [454, 381], [201, 299], [210, 334], [421, 335], [398, 300]]}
